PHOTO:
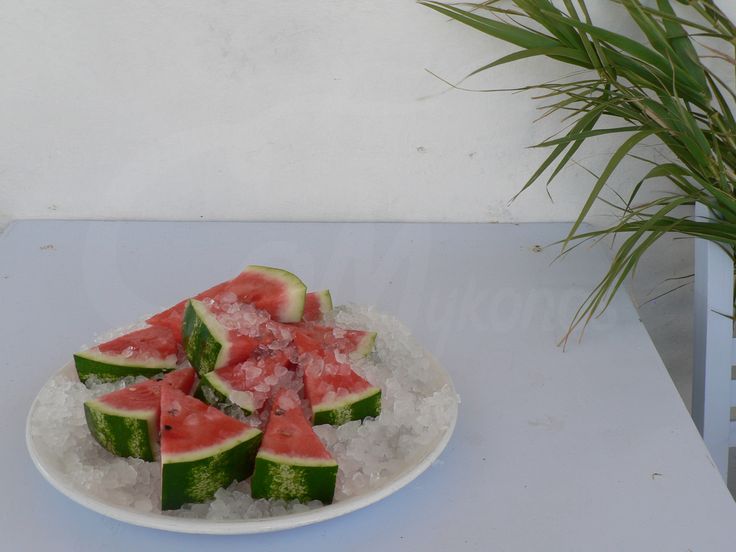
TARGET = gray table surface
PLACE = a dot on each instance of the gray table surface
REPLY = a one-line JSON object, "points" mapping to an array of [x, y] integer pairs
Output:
{"points": [[590, 449]]}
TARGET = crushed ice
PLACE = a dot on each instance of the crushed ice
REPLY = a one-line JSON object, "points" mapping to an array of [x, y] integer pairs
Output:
{"points": [[416, 411]]}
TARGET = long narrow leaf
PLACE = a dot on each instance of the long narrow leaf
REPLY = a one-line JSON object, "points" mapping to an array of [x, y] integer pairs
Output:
{"points": [[566, 55], [615, 160], [504, 31]]}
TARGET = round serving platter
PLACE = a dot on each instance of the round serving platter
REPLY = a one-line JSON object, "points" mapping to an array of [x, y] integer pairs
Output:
{"points": [[48, 466]]}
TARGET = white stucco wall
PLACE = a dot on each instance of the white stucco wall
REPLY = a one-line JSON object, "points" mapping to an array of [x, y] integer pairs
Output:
{"points": [[262, 109], [728, 7]]}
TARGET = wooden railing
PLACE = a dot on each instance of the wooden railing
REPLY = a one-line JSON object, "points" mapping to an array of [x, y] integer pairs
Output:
{"points": [[714, 392]]}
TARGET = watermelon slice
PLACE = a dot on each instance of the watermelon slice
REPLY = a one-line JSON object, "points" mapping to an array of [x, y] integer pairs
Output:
{"points": [[292, 462], [202, 449], [144, 352], [316, 305], [274, 290], [208, 343], [125, 422], [313, 338], [336, 393], [250, 383]]}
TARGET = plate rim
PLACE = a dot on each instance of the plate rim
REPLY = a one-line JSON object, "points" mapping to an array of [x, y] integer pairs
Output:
{"points": [[155, 520]]}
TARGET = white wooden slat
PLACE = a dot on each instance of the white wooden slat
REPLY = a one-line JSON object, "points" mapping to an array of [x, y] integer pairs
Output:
{"points": [[713, 347], [733, 352], [732, 435]]}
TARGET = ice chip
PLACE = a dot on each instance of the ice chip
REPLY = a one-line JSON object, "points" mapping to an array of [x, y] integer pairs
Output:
{"points": [[252, 371], [287, 401], [228, 297]]}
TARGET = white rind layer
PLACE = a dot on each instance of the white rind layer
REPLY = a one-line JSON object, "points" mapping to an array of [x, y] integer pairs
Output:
{"points": [[295, 460], [105, 408], [244, 399], [325, 301], [366, 346]]}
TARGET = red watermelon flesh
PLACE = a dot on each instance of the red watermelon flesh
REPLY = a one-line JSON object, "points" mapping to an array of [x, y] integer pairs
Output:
{"points": [[139, 396], [289, 433], [258, 286], [241, 346], [173, 317], [275, 291], [146, 395], [170, 319], [182, 379], [189, 425], [150, 342], [327, 380], [313, 338]]}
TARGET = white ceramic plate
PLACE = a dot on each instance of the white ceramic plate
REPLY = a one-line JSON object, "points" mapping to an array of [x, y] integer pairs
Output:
{"points": [[59, 479]]}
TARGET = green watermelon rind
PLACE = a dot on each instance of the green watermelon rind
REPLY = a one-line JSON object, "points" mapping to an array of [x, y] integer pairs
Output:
{"points": [[356, 406], [105, 367], [225, 393], [196, 476], [127, 433], [295, 292], [206, 341], [293, 478]]}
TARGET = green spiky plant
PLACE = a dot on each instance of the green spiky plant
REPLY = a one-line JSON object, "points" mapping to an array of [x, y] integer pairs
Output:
{"points": [[656, 89]]}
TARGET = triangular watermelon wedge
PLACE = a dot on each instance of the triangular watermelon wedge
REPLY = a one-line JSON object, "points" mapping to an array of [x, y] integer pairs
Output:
{"points": [[314, 338], [125, 422], [202, 449], [292, 462], [336, 393], [278, 292], [145, 352]]}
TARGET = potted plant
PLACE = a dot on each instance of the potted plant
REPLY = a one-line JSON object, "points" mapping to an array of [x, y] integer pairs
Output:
{"points": [[660, 88]]}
